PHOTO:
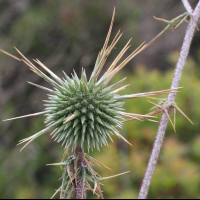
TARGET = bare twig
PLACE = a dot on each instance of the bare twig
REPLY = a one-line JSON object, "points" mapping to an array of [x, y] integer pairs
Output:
{"points": [[171, 97], [187, 6], [170, 25]]}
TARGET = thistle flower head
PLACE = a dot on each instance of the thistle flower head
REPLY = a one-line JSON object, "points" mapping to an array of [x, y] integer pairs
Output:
{"points": [[83, 111]]}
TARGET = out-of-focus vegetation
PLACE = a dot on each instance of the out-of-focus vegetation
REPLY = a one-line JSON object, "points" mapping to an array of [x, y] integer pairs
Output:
{"points": [[177, 174], [67, 35]]}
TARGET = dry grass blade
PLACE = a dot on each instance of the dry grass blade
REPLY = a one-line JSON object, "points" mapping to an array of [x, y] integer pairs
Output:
{"points": [[169, 119], [134, 53], [34, 68], [96, 161], [64, 154], [62, 163], [94, 171], [30, 115], [155, 105], [95, 187], [86, 87], [131, 119], [107, 52], [68, 171], [175, 106], [31, 67], [64, 193], [31, 64], [26, 144], [140, 119], [155, 112], [75, 176], [69, 118], [134, 115], [181, 22], [137, 51], [110, 48], [55, 193], [120, 82], [120, 136], [88, 162], [155, 98], [115, 38], [109, 32], [118, 58], [8, 54], [47, 69], [151, 120], [106, 178], [120, 89], [156, 93]]}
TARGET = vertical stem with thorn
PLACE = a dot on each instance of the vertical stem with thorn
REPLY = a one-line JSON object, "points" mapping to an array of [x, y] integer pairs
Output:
{"points": [[171, 97]]}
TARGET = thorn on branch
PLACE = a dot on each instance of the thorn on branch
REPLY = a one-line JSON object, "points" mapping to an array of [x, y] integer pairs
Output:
{"points": [[176, 21], [165, 106]]}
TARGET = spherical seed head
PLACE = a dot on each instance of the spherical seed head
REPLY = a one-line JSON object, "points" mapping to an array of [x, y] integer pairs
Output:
{"points": [[81, 111], [85, 112]]}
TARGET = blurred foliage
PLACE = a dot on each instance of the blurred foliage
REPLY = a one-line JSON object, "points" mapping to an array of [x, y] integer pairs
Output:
{"points": [[65, 36]]}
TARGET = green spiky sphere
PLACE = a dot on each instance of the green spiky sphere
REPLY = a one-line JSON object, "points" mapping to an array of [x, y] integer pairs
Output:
{"points": [[83, 112], [93, 109]]}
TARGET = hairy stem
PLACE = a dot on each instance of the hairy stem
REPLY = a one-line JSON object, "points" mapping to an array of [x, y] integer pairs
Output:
{"points": [[187, 6], [171, 97], [79, 186]]}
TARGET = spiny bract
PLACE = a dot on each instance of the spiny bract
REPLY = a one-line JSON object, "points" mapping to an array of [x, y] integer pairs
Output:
{"points": [[83, 111]]}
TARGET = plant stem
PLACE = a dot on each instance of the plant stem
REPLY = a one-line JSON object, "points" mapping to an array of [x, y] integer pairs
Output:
{"points": [[170, 25], [187, 6], [79, 186], [171, 97]]}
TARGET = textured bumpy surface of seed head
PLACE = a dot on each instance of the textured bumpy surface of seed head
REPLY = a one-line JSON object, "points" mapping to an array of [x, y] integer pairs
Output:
{"points": [[93, 108]]}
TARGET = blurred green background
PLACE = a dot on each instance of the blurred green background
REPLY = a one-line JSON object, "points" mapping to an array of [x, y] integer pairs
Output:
{"points": [[67, 35]]}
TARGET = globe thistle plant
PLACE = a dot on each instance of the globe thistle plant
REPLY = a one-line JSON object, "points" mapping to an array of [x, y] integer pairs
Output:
{"points": [[85, 111]]}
